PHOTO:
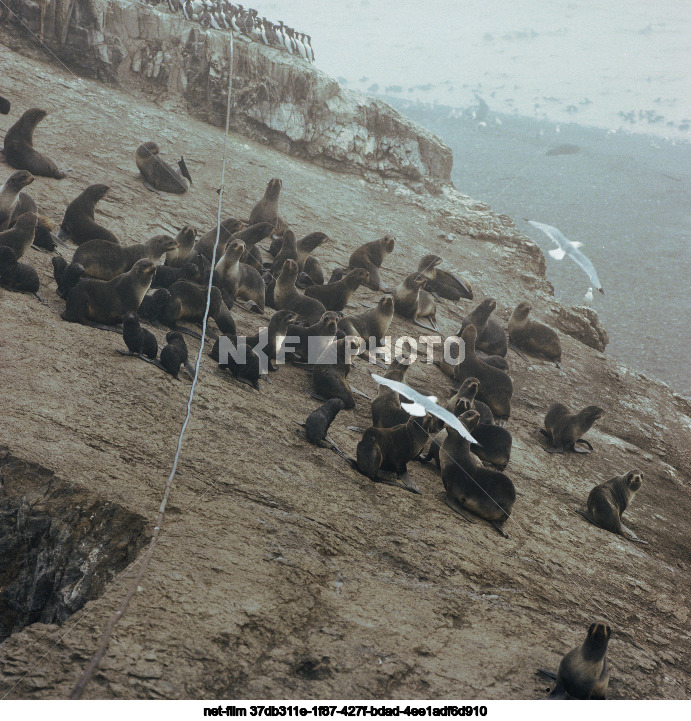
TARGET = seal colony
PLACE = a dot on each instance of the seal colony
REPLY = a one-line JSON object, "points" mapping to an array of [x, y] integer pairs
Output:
{"points": [[109, 282]]}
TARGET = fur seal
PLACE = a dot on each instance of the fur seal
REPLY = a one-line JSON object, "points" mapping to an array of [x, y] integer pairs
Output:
{"points": [[174, 354], [412, 302], [531, 336], [324, 328], [313, 270], [184, 252], [139, 341], [564, 429], [106, 302], [266, 210], [584, 672], [468, 389], [66, 276], [386, 407], [373, 323], [17, 276], [491, 338], [469, 487], [166, 275], [390, 449], [157, 174], [187, 301], [205, 245], [288, 252], [78, 223], [335, 296], [104, 260], [496, 386], [21, 235], [442, 283], [14, 203], [331, 380], [370, 256], [318, 422], [19, 147], [286, 295], [306, 246], [5, 106], [608, 501], [238, 280]]}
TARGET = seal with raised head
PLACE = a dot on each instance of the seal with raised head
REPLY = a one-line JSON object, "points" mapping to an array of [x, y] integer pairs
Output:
{"points": [[412, 302], [443, 283], [174, 354], [330, 380], [66, 276], [608, 501], [17, 276], [105, 260], [584, 672], [335, 296], [19, 147], [184, 252], [205, 244], [21, 235], [79, 224], [391, 449], [266, 210], [139, 341], [533, 337], [157, 174], [288, 252], [564, 429], [496, 386], [104, 302], [370, 256], [308, 263], [239, 281], [373, 323], [469, 486], [491, 338], [14, 202], [386, 407], [286, 295], [308, 343]]}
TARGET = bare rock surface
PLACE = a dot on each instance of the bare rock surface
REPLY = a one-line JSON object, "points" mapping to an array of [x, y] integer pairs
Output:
{"points": [[281, 571]]}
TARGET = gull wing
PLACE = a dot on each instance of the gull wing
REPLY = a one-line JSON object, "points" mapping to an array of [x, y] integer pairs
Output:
{"points": [[554, 234], [427, 403], [584, 262]]}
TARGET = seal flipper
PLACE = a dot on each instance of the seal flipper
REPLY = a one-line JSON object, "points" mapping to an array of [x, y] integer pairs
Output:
{"points": [[454, 505], [409, 483], [150, 187], [518, 352], [587, 443], [498, 528], [557, 449], [183, 169]]}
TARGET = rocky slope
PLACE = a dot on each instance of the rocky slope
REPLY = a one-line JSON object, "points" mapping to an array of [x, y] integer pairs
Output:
{"points": [[283, 573]]}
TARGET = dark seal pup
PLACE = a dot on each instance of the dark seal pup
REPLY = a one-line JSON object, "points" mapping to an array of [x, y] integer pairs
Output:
{"points": [[139, 341], [533, 337], [21, 235], [584, 672], [370, 256], [330, 380], [19, 147], [5, 106], [17, 276], [564, 429], [608, 501], [66, 276], [174, 354], [78, 224], [157, 174], [318, 422]]}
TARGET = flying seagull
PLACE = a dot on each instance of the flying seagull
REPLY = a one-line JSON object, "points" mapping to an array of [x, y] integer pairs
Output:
{"points": [[568, 247], [424, 404]]}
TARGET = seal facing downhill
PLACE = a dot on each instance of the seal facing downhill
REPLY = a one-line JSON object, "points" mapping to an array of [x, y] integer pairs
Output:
{"points": [[157, 174], [564, 429], [584, 672], [330, 379], [491, 338], [106, 302], [531, 336], [19, 147], [608, 501], [78, 222], [469, 486], [370, 256], [266, 210], [318, 422]]}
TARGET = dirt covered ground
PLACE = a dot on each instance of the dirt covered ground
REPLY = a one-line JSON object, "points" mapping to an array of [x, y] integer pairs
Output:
{"points": [[282, 572]]}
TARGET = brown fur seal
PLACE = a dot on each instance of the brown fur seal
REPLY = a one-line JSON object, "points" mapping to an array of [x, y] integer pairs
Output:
{"points": [[205, 245], [104, 260], [491, 338], [313, 270], [564, 429], [318, 422], [266, 210], [442, 283], [187, 301], [157, 174], [390, 449], [19, 147], [468, 389], [308, 343], [139, 341], [17, 276], [238, 280], [608, 501], [13, 202], [66, 276], [470, 487], [5, 106], [286, 295], [78, 223], [370, 256], [373, 323], [335, 296], [330, 380], [288, 252], [167, 275], [412, 302], [106, 302], [174, 354], [584, 672], [531, 336], [21, 235], [184, 253], [496, 386], [386, 407], [306, 246]]}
